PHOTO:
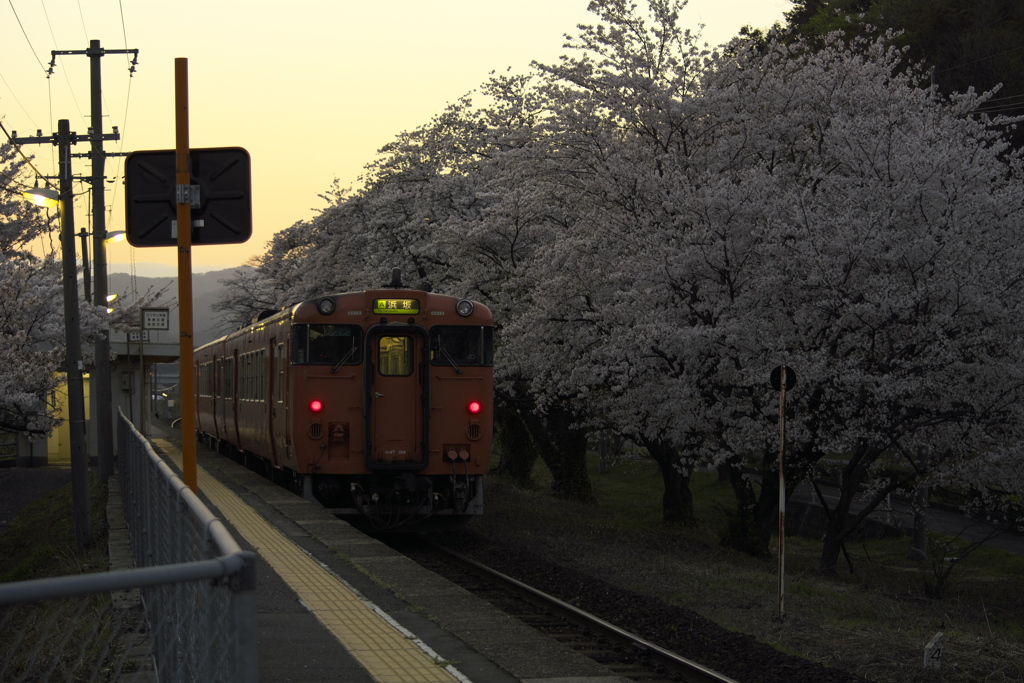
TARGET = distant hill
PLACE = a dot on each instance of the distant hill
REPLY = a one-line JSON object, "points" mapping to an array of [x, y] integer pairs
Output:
{"points": [[206, 290]]}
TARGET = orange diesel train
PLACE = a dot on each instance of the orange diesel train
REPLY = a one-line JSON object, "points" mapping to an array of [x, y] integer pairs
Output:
{"points": [[377, 404]]}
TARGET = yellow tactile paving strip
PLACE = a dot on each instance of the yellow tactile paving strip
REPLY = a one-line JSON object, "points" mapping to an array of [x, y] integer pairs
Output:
{"points": [[389, 655]]}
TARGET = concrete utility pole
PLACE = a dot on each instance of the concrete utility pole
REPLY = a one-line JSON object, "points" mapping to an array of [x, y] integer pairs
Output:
{"points": [[64, 138], [101, 395]]}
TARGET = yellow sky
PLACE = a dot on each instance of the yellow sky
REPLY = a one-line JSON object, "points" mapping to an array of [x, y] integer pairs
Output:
{"points": [[311, 88]]}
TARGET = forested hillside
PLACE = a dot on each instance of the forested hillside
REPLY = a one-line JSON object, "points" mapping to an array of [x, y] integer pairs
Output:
{"points": [[965, 44]]}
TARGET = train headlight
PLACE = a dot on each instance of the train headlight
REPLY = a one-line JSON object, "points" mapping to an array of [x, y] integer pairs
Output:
{"points": [[325, 306], [316, 405], [464, 308], [474, 407]]}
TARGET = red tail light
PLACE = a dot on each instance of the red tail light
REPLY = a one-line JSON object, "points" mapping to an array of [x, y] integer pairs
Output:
{"points": [[474, 407], [316, 405]]}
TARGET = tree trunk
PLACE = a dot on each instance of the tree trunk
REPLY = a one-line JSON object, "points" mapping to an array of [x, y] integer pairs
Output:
{"points": [[835, 529], [517, 450], [839, 526], [676, 499], [564, 450], [919, 548], [756, 517]]}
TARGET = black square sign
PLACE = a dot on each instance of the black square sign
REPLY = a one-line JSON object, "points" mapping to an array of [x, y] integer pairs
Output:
{"points": [[222, 214]]}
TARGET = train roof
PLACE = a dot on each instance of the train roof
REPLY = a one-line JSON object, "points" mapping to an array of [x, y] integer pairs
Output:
{"points": [[309, 308]]}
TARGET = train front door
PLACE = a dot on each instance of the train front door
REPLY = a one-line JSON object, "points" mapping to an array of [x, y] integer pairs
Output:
{"points": [[395, 398]]}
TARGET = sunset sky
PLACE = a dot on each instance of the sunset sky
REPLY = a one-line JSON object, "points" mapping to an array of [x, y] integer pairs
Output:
{"points": [[312, 88]]}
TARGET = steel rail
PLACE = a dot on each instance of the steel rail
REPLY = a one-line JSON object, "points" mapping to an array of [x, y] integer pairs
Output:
{"points": [[689, 669]]}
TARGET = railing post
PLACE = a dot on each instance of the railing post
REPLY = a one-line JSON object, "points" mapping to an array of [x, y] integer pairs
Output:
{"points": [[243, 616]]}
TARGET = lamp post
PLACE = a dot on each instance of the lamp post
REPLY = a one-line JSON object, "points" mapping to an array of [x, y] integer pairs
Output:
{"points": [[86, 277], [101, 393], [72, 335], [73, 344]]}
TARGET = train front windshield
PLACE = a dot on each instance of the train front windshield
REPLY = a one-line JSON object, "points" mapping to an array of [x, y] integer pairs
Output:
{"points": [[326, 344], [462, 345]]}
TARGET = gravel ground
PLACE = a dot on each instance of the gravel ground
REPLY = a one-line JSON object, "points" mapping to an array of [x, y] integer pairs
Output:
{"points": [[737, 655]]}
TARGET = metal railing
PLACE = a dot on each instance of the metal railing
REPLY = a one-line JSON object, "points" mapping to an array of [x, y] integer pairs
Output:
{"points": [[197, 584]]}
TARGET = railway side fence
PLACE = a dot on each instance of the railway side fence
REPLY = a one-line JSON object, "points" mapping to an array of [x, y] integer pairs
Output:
{"points": [[197, 586]]}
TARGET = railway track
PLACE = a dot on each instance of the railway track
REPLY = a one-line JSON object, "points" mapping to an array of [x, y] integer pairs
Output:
{"points": [[625, 653]]}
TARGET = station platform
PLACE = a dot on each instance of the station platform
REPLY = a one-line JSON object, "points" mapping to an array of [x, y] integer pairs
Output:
{"points": [[337, 605]]}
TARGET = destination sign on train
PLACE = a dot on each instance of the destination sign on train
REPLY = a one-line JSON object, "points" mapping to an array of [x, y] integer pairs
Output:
{"points": [[396, 306]]}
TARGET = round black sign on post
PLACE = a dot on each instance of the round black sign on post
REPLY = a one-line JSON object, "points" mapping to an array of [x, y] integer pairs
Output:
{"points": [[776, 378]]}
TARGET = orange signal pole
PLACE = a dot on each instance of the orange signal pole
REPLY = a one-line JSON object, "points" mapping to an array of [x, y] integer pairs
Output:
{"points": [[183, 181]]}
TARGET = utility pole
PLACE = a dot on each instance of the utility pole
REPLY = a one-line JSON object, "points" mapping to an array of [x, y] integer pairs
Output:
{"points": [[102, 401], [64, 138]]}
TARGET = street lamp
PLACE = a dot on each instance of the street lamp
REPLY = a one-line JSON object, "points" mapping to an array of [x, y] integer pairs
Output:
{"points": [[42, 196], [115, 236]]}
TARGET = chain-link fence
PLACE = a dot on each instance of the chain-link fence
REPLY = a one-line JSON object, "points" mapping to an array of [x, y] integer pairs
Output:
{"points": [[197, 588]]}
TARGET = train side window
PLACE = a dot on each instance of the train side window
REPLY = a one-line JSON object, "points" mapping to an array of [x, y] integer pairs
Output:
{"points": [[243, 376], [326, 344], [280, 373], [259, 375], [205, 377], [461, 345], [260, 379], [394, 356]]}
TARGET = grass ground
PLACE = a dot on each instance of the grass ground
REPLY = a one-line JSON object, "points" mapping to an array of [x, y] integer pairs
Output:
{"points": [[56, 639], [873, 621]]}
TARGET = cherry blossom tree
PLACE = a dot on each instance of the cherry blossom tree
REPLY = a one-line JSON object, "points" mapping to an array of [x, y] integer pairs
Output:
{"points": [[31, 323], [895, 275], [758, 220], [20, 221], [623, 104], [31, 309], [657, 226]]}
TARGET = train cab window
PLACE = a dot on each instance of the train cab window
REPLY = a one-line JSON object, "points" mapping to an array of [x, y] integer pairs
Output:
{"points": [[394, 356], [326, 344], [461, 345]]}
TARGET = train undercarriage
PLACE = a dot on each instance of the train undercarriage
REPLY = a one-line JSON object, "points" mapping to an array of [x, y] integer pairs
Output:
{"points": [[381, 501]]}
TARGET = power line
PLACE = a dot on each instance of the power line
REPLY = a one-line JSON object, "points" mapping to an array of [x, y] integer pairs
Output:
{"points": [[49, 24], [127, 104], [17, 148], [85, 29], [25, 33], [982, 59], [124, 33], [1005, 99], [49, 83], [15, 96]]}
